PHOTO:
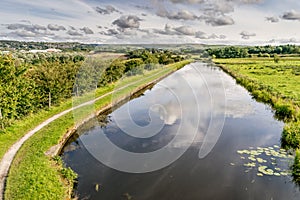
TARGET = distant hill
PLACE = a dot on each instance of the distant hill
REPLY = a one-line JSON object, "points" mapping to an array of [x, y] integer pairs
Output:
{"points": [[6, 45]]}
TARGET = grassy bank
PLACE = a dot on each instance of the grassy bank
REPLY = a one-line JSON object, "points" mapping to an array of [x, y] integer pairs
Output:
{"points": [[36, 176], [275, 83]]}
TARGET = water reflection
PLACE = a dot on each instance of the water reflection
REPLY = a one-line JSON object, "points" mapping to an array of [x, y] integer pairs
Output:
{"points": [[180, 115]]}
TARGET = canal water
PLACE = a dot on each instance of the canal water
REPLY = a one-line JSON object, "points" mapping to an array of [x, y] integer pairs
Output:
{"points": [[194, 135]]}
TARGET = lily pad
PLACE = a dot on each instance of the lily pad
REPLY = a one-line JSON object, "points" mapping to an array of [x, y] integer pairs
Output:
{"points": [[252, 164], [259, 174]]}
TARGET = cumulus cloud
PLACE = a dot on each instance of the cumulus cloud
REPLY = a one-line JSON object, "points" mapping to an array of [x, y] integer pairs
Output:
{"points": [[291, 15], [246, 35], [109, 32], [55, 27], [87, 30], [181, 30], [185, 30], [214, 11], [28, 30], [107, 10], [219, 20], [127, 22], [27, 27], [74, 33], [202, 35], [23, 33], [218, 8], [272, 19], [168, 30], [72, 28], [180, 15], [127, 34]]}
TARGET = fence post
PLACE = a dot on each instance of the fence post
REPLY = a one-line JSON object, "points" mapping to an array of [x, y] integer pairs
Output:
{"points": [[1, 117], [49, 103]]}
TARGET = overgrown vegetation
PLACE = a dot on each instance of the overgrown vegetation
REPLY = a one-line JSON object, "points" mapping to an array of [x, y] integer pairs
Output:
{"points": [[276, 83], [33, 175], [296, 168], [31, 82], [26, 88]]}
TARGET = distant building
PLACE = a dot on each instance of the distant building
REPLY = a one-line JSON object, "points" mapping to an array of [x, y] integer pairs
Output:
{"points": [[4, 52], [37, 51], [53, 50], [45, 51]]}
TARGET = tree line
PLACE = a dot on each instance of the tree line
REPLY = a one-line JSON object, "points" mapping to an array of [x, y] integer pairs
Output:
{"points": [[259, 51], [31, 82], [65, 46]]}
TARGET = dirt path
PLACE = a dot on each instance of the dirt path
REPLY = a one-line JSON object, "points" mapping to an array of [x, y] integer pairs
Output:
{"points": [[10, 154]]}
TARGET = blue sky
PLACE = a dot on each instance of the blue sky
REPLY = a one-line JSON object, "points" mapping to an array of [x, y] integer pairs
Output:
{"points": [[152, 21]]}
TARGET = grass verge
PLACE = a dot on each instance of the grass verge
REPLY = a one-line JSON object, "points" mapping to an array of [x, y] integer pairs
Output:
{"points": [[33, 175], [275, 83]]}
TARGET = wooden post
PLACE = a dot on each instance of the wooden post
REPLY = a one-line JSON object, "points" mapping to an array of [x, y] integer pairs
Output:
{"points": [[1, 117], [49, 99]]}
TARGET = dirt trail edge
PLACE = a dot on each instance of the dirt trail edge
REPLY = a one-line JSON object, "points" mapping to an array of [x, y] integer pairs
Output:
{"points": [[10, 154]]}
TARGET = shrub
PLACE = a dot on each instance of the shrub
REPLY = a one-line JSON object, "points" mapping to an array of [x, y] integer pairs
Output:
{"points": [[296, 168], [284, 110], [291, 135]]}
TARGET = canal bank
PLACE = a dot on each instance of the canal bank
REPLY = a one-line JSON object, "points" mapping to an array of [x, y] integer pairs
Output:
{"points": [[34, 175]]}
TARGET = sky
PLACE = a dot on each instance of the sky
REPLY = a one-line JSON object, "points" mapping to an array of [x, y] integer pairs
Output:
{"points": [[246, 22]]}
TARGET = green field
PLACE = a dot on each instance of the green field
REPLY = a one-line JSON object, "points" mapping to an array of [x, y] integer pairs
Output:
{"points": [[275, 83], [282, 78]]}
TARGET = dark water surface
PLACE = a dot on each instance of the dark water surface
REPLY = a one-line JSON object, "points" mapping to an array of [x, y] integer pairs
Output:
{"points": [[177, 141]]}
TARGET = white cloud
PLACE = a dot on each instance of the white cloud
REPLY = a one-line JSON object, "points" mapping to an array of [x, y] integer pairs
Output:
{"points": [[291, 15], [272, 19], [185, 30], [246, 35], [140, 23], [128, 22]]}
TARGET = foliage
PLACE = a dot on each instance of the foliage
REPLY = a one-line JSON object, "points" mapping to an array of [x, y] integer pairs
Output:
{"points": [[259, 51], [296, 168], [291, 135], [31, 82], [68, 173], [33, 175], [229, 52], [26, 88], [66, 46], [155, 56]]}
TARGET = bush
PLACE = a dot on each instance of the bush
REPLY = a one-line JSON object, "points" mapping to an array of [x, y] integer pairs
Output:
{"points": [[291, 135], [68, 174], [284, 110], [296, 168]]}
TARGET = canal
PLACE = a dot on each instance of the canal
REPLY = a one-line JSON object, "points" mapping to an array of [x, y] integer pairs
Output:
{"points": [[194, 135]]}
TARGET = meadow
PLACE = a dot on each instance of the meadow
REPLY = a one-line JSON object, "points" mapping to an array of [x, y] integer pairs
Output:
{"points": [[276, 82]]}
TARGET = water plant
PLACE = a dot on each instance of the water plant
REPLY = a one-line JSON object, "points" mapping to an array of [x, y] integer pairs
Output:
{"points": [[266, 161]]}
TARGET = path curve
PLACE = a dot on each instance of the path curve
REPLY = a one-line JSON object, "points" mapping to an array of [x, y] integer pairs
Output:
{"points": [[12, 151]]}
